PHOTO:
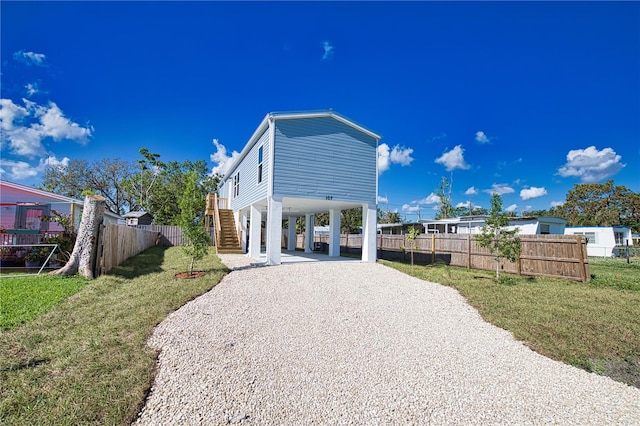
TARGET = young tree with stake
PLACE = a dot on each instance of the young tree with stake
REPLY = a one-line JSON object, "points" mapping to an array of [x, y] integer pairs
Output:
{"points": [[502, 242]]}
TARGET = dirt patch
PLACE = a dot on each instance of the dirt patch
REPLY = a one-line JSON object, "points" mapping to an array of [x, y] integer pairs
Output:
{"points": [[194, 274]]}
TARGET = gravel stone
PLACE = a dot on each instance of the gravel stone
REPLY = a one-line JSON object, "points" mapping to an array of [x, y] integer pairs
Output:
{"points": [[358, 343]]}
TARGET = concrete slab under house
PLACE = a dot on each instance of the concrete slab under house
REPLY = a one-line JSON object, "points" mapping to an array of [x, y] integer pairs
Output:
{"points": [[297, 165]]}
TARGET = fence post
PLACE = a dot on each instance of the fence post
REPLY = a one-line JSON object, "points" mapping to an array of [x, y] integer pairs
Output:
{"points": [[519, 261], [468, 251], [433, 249], [583, 275]]}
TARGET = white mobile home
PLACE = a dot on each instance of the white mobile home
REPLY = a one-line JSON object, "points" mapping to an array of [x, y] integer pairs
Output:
{"points": [[601, 240], [473, 225], [297, 165]]}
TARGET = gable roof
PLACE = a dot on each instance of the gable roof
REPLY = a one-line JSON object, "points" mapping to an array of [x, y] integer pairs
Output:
{"points": [[274, 116], [46, 195], [37, 192], [136, 214]]}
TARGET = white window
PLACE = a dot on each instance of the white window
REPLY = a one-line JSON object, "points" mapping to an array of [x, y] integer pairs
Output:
{"points": [[591, 237], [260, 165], [236, 185], [619, 238]]}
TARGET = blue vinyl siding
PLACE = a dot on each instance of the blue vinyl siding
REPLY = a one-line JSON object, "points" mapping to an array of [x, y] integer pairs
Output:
{"points": [[323, 157], [250, 190]]}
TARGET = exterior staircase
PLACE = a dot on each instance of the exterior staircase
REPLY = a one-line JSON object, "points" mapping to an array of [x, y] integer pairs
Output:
{"points": [[228, 242]]}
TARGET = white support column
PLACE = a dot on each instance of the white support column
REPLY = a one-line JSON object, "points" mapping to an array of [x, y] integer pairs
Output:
{"points": [[274, 231], [254, 232], [369, 232], [308, 233], [334, 233], [291, 238], [243, 226]]}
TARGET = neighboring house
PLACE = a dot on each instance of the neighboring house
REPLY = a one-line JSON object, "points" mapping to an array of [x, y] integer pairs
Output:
{"points": [[601, 240], [138, 218], [473, 225], [23, 208], [297, 165], [399, 228]]}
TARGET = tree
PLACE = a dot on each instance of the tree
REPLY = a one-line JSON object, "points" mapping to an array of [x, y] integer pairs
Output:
{"points": [[445, 209], [350, 220], [163, 184], [501, 242], [386, 216], [411, 241], [150, 168], [104, 177], [601, 204], [191, 220], [84, 254]]}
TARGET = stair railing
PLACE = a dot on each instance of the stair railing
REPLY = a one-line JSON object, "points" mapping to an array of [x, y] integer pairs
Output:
{"points": [[216, 218]]}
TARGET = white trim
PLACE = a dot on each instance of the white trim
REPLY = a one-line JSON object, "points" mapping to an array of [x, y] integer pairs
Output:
{"points": [[272, 150]]}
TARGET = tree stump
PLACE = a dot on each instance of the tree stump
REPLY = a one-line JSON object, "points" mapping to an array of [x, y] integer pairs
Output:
{"points": [[83, 257]]}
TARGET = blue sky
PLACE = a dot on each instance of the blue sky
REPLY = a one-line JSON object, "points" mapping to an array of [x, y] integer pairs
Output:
{"points": [[526, 99]]}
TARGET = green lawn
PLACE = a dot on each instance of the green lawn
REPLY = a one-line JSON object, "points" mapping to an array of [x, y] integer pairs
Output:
{"points": [[24, 298], [85, 360], [593, 325]]}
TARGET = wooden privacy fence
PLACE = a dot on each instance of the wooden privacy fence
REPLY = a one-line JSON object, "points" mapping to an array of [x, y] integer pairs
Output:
{"points": [[170, 235], [119, 243], [562, 256]]}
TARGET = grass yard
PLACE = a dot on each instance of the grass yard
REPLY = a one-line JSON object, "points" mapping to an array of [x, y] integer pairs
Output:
{"points": [[594, 325], [83, 359], [24, 298]]}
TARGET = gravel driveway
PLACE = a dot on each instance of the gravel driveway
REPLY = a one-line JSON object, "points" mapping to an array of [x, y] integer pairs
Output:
{"points": [[358, 343]]}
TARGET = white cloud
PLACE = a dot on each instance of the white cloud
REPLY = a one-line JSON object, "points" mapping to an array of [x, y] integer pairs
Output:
{"points": [[471, 191], [32, 88], [591, 165], [532, 192], [20, 170], [481, 137], [429, 199], [17, 170], [511, 208], [409, 209], [54, 162], [453, 159], [499, 188], [556, 203], [397, 155], [29, 58], [54, 124], [328, 50], [466, 204], [24, 128], [221, 158], [401, 155], [382, 200]]}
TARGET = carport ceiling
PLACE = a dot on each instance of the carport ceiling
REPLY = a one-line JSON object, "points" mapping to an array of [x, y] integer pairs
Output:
{"points": [[302, 206]]}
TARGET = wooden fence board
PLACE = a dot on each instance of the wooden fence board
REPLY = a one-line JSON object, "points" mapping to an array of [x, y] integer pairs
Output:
{"points": [[561, 256], [122, 242]]}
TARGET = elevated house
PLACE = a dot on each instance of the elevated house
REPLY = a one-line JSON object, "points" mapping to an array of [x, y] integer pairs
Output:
{"points": [[603, 240], [297, 165], [23, 213]]}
